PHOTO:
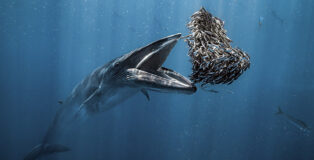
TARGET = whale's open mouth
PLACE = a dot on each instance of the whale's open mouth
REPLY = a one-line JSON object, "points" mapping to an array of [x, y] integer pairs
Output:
{"points": [[149, 73]]}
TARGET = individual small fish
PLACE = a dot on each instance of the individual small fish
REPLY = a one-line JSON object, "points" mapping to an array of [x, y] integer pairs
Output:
{"points": [[294, 121], [213, 91], [260, 21], [209, 90]]}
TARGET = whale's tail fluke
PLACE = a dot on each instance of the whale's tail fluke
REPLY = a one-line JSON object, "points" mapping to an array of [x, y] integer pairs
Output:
{"points": [[45, 149]]}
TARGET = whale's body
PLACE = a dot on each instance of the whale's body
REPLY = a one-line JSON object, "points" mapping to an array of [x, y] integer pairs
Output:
{"points": [[111, 84]]}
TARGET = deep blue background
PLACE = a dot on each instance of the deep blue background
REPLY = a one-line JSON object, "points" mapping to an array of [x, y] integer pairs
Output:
{"points": [[48, 46]]}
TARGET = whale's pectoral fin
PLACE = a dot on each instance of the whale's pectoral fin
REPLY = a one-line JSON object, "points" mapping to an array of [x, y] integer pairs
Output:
{"points": [[158, 81], [144, 91]]}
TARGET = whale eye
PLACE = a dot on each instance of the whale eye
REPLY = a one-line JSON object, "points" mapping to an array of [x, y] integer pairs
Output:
{"points": [[116, 63]]}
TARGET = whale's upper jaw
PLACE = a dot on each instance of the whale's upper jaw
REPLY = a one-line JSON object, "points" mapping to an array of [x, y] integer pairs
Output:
{"points": [[158, 54], [151, 56], [145, 68]]}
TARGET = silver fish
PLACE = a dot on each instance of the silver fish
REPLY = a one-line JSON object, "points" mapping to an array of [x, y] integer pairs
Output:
{"points": [[294, 121]]}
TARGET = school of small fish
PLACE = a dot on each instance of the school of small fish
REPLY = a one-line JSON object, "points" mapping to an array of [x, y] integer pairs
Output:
{"points": [[213, 58]]}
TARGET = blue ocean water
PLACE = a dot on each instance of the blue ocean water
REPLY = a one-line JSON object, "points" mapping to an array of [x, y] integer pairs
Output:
{"points": [[47, 47]]}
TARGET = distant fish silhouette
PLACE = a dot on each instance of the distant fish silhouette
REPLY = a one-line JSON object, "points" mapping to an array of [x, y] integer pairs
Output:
{"points": [[296, 122], [275, 15], [213, 91], [205, 88], [260, 21]]}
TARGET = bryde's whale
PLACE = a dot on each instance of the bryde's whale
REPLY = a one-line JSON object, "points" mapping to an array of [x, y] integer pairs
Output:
{"points": [[138, 71]]}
